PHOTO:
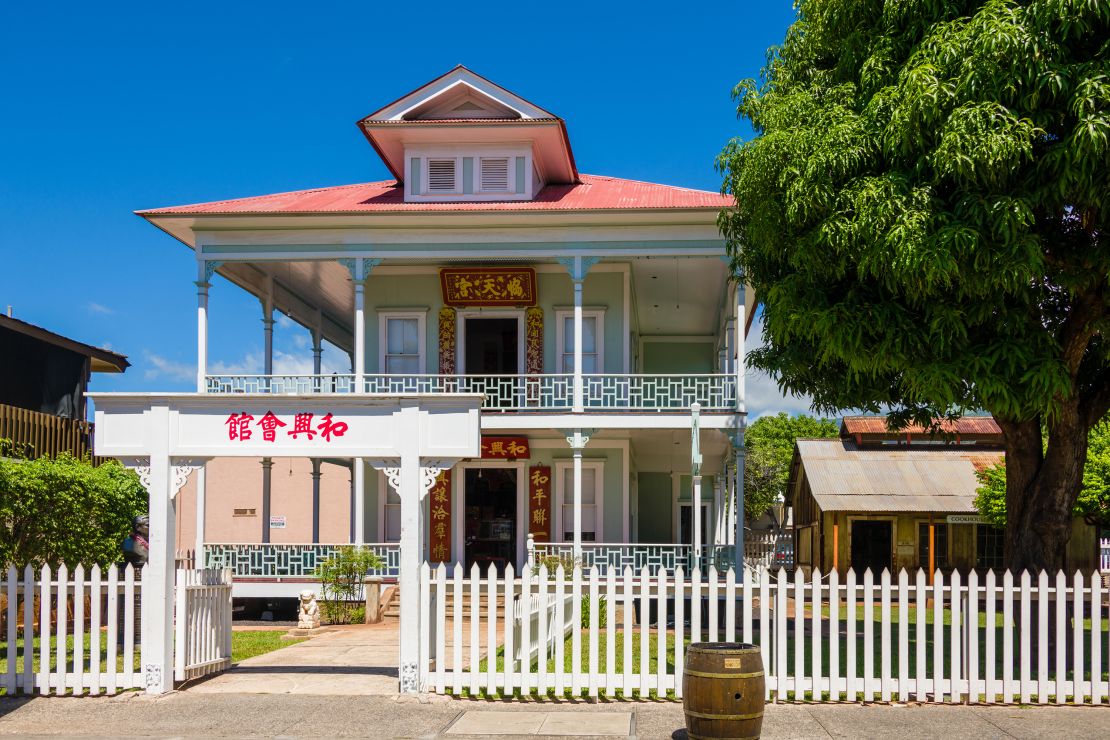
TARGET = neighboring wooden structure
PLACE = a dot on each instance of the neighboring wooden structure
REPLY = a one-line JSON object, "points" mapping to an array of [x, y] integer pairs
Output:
{"points": [[43, 379], [877, 499]]}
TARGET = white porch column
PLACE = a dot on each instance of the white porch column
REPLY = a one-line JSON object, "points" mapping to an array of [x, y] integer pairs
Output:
{"points": [[360, 270], [205, 268], [695, 496], [741, 323], [359, 512], [578, 442], [578, 266], [718, 511], [738, 488]]}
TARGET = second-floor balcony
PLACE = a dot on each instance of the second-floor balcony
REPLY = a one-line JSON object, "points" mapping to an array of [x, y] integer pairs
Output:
{"points": [[544, 393]]}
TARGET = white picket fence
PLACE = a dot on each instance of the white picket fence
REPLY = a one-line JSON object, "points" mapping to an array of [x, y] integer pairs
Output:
{"points": [[86, 624], [1041, 640], [202, 640]]}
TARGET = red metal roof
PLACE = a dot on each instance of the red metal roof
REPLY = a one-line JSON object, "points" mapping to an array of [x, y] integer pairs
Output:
{"points": [[594, 192], [975, 425]]}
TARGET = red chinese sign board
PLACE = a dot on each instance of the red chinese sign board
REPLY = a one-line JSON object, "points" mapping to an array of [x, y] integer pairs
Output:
{"points": [[505, 448], [439, 519], [241, 427], [490, 286], [539, 503]]}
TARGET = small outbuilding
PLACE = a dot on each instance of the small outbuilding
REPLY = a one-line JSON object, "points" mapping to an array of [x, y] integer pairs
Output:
{"points": [[879, 499]]}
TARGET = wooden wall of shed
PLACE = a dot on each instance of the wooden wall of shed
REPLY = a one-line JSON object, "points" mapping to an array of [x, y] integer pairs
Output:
{"points": [[962, 544]]}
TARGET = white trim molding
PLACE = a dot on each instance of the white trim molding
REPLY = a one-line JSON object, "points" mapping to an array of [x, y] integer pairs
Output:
{"points": [[565, 469]]}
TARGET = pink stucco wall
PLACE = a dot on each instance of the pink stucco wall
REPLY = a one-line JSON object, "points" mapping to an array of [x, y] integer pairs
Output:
{"points": [[236, 483]]}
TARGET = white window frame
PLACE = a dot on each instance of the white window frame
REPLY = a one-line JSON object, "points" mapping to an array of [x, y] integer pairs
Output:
{"points": [[477, 152], [561, 314], [421, 316], [564, 471], [384, 490], [706, 537], [489, 313]]}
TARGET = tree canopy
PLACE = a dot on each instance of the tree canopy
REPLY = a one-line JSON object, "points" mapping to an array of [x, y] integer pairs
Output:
{"points": [[922, 216], [66, 510], [769, 449], [1093, 503]]}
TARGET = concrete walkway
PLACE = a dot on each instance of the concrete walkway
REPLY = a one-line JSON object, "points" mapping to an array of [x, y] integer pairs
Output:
{"points": [[352, 660], [190, 714]]}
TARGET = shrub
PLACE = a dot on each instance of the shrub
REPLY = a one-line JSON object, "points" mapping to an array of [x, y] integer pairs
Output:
{"points": [[55, 510], [341, 583]]}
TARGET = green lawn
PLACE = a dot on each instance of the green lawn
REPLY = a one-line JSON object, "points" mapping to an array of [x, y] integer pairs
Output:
{"points": [[258, 642], [244, 644]]}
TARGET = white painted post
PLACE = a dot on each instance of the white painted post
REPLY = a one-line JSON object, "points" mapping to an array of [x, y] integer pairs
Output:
{"points": [[765, 645], [714, 602], [815, 634], [661, 635], [610, 632], [359, 269], [799, 635], [679, 625], [991, 688], [741, 410], [9, 680], [1042, 637], [903, 636], [629, 592], [408, 434], [578, 277], [203, 284], [1078, 689], [1098, 687], [458, 607], [938, 636], [158, 576], [595, 614], [834, 636], [578, 442], [851, 685], [28, 630], [44, 630], [884, 630], [1025, 628], [441, 629], [645, 634], [741, 323], [696, 515]]}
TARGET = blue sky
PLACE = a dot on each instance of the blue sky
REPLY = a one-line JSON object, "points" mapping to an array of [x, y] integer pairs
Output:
{"points": [[113, 107]]}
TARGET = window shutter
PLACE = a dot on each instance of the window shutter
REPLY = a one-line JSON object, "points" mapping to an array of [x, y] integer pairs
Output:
{"points": [[495, 174], [441, 175]]}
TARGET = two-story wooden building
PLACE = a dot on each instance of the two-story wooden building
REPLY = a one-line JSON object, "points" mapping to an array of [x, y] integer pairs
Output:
{"points": [[593, 313]]}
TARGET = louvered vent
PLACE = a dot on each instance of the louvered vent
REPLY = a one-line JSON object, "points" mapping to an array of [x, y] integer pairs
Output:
{"points": [[441, 175], [495, 174]]}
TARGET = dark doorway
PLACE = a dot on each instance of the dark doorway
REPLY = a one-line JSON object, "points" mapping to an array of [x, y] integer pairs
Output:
{"points": [[871, 546], [491, 346], [686, 525], [490, 496]]}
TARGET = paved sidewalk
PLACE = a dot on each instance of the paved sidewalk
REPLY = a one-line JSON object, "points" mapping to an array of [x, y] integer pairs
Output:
{"points": [[191, 714], [353, 660]]}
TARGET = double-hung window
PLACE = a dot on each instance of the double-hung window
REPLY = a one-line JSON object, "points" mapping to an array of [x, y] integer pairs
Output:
{"points": [[402, 342], [592, 341], [591, 501]]}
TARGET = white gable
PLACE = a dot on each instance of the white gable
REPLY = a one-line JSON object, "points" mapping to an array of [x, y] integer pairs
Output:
{"points": [[459, 94]]}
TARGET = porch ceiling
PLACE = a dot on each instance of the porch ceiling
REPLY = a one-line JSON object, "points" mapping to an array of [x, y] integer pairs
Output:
{"points": [[671, 296], [668, 450], [678, 296]]}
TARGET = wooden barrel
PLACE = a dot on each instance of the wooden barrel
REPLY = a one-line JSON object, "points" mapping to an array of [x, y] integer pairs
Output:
{"points": [[722, 690]]}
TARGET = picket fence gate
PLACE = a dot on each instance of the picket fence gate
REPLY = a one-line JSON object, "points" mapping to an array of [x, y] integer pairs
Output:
{"points": [[973, 638], [87, 626]]}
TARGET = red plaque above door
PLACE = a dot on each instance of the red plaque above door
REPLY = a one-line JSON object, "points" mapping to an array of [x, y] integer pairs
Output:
{"points": [[489, 286]]}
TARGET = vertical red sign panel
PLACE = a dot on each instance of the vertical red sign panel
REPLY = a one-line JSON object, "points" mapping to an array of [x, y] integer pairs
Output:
{"points": [[439, 519], [539, 503]]}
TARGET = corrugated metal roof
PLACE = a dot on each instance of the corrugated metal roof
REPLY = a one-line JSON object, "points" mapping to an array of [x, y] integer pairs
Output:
{"points": [[594, 192], [877, 425], [843, 477]]}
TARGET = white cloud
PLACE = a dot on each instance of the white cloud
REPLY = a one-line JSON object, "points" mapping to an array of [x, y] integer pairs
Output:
{"points": [[249, 364], [162, 367], [99, 308]]}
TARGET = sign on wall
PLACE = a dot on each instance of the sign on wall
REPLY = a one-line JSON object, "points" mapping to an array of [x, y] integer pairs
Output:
{"points": [[490, 286], [277, 522], [505, 448], [539, 503], [439, 519], [966, 519]]}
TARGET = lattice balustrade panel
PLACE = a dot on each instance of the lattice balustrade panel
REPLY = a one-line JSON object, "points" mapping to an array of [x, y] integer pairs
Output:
{"points": [[273, 561]]}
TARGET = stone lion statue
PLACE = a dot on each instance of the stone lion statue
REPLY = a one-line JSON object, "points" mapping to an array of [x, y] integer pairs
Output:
{"points": [[308, 615]]}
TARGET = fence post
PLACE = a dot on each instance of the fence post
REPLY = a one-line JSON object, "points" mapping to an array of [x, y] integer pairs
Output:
{"points": [[373, 591], [181, 619]]}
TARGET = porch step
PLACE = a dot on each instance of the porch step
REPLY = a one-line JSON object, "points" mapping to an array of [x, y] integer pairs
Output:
{"points": [[392, 600]]}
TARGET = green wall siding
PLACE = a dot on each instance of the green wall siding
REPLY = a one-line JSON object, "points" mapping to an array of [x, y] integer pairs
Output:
{"points": [[678, 357], [655, 507], [602, 290]]}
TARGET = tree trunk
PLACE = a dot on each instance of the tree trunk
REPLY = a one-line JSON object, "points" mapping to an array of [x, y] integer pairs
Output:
{"points": [[1042, 488]]}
